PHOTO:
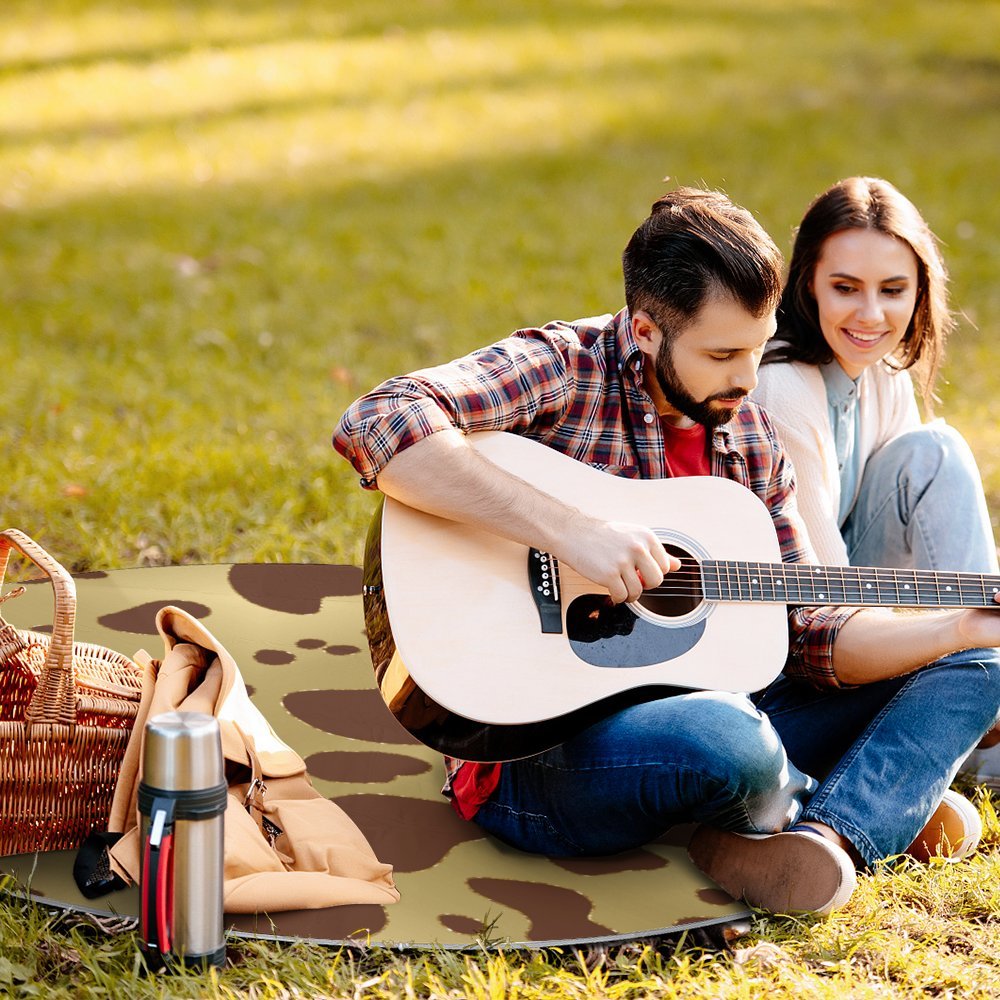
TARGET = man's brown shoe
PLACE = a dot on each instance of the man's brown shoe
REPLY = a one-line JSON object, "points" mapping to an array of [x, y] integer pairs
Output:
{"points": [[789, 872]]}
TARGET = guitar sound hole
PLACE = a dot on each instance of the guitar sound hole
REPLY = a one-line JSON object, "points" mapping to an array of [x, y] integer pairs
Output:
{"points": [[680, 593]]}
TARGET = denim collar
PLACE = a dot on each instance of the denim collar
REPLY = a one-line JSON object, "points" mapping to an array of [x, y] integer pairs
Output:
{"points": [[840, 387]]}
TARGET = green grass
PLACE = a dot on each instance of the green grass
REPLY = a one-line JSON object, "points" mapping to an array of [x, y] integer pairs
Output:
{"points": [[909, 932], [221, 221]]}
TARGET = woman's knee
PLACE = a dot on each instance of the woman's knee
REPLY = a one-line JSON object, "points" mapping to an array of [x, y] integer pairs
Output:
{"points": [[927, 452]]}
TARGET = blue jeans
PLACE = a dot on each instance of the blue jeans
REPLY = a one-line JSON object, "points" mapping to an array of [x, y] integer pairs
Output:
{"points": [[705, 756], [884, 754], [921, 506]]}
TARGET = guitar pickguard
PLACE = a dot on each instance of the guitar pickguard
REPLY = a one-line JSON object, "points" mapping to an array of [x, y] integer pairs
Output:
{"points": [[613, 635]]}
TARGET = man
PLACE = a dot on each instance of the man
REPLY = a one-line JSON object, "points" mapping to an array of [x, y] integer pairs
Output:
{"points": [[851, 751]]}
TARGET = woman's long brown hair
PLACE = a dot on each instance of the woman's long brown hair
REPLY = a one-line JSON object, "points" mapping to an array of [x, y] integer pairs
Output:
{"points": [[866, 203]]}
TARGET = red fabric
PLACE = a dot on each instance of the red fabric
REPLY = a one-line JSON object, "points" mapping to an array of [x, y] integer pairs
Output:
{"points": [[472, 786], [686, 450]]}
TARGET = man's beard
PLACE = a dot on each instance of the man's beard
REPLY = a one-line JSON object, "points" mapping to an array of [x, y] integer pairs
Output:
{"points": [[680, 399]]}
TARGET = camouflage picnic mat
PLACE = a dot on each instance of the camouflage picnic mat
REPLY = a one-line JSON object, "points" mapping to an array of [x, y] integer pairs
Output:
{"points": [[297, 633]]}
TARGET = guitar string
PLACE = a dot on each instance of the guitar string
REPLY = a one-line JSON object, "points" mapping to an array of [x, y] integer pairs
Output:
{"points": [[835, 599], [681, 582], [688, 581], [810, 572]]}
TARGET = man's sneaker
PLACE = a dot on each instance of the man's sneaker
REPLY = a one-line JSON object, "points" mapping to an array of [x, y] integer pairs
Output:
{"points": [[791, 872], [953, 831]]}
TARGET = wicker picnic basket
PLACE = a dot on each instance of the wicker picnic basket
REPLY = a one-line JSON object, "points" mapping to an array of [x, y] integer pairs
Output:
{"points": [[66, 711]]}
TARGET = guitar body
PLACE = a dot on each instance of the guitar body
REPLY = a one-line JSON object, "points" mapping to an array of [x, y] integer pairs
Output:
{"points": [[458, 637]]}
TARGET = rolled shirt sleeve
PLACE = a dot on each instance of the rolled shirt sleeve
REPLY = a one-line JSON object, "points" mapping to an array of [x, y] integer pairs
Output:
{"points": [[812, 631], [518, 383]]}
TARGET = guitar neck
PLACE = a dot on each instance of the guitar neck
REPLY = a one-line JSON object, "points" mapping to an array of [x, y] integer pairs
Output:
{"points": [[801, 583]]}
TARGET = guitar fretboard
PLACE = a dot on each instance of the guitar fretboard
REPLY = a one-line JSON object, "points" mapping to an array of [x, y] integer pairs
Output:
{"points": [[800, 583]]}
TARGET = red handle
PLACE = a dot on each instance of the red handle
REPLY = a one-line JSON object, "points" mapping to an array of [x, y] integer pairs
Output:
{"points": [[156, 916], [165, 894]]}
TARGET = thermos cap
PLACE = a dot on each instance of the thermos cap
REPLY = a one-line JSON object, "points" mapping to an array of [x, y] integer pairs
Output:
{"points": [[182, 752]]}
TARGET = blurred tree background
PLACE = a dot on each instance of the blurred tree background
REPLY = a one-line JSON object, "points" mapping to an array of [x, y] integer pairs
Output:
{"points": [[222, 221]]}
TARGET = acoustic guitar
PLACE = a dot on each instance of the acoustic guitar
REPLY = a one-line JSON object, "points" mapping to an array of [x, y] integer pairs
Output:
{"points": [[487, 650]]}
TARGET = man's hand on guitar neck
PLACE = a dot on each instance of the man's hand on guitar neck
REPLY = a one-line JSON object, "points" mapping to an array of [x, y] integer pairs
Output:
{"points": [[443, 475]]}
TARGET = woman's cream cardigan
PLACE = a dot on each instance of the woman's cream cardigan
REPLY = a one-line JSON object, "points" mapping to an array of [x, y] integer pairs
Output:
{"points": [[794, 395]]}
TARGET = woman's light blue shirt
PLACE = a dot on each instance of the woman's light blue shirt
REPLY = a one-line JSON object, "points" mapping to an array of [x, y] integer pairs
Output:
{"points": [[842, 402]]}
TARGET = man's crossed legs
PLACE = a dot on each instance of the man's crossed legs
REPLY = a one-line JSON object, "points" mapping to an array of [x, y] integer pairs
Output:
{"points": [[870, 762]]}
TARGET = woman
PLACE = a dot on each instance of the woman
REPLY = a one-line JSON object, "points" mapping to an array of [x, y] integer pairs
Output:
{"points": [[865, 304]]}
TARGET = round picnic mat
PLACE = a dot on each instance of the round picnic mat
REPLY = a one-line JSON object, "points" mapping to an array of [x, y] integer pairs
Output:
{"points": [[297, 633]]}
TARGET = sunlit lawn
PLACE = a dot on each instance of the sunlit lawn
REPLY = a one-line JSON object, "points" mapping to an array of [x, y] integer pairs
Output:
{"points": [[222, 221]]}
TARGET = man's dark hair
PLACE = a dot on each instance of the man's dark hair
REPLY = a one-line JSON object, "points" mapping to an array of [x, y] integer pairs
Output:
{"points": [[694, 244]]}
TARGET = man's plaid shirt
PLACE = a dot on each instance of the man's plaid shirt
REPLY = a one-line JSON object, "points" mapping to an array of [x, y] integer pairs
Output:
{"points": [[577, 387]]}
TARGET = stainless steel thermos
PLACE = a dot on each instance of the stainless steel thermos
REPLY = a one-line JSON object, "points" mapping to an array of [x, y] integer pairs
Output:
{"points": [[182, 802]]}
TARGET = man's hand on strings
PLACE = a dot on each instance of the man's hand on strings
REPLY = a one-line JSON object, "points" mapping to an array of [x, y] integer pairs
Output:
{"points": [[624, 558]]}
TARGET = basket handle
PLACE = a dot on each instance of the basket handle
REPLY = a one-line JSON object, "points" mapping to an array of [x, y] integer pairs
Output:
{"points": [[54, 700]]}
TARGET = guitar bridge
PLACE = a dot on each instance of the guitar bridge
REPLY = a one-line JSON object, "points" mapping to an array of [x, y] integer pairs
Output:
{"points": [[543, 577]]}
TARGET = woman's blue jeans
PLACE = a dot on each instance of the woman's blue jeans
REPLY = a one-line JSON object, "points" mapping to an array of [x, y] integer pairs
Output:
{"points": [[920, 505], [872, 762]]}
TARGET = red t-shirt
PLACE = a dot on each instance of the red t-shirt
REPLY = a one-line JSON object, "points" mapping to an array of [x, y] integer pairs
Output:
{"points": [[686, 450], [686, 455]]}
